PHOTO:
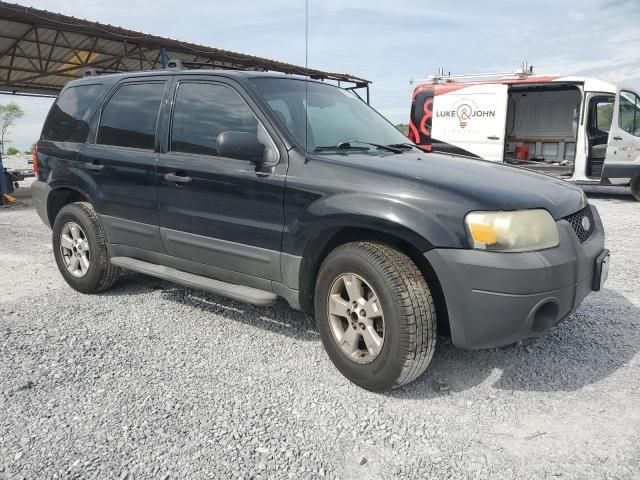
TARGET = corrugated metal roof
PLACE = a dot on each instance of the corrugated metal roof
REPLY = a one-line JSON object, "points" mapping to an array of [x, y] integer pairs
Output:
{"points": [[41, 51]]}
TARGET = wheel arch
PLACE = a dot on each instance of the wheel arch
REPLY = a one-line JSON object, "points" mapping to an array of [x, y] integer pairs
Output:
{"points": [[402, 239], [61, 196]]}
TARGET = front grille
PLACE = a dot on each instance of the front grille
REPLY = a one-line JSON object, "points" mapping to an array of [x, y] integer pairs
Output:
{"points": [[578, 222]]}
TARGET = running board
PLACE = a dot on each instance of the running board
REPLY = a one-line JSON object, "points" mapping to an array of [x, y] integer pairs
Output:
{"points": [[237, 292]]}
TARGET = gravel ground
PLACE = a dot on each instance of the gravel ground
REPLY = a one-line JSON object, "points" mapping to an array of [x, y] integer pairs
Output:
{"points": [[152, 380]]}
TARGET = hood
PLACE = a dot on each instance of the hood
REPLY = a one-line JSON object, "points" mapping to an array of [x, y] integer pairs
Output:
{"points": [[476, 184]]}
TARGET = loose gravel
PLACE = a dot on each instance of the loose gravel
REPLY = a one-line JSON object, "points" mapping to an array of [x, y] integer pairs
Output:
{"points": [[152, 380]]}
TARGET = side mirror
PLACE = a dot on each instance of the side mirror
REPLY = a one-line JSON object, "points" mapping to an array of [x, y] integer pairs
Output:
{"points": [[241, 145]]}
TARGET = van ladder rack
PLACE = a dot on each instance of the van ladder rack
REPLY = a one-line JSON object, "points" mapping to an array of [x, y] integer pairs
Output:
{"points": [[523, 71]]}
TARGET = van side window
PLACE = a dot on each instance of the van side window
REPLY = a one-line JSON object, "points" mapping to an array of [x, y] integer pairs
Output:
{"points": [[129, 119], [204, 110], [604, 114], [629, 117], [65, 122]]}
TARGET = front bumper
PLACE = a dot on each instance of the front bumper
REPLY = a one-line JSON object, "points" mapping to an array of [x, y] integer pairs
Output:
{"points": [[496, 299]]}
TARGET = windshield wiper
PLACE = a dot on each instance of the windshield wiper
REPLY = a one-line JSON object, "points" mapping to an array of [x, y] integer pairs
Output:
{"points": [[348, 146], [404, 146], [340, 146]]}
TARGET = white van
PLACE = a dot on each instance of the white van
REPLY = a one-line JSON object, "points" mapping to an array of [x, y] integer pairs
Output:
{"points": [[581, 129]]}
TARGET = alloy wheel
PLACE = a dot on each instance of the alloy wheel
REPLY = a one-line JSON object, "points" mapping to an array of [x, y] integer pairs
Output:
{"points": [[74, 248], [356, 318]]}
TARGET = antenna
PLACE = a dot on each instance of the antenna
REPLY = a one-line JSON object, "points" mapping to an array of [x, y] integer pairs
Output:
{"points": [[306, 82]]}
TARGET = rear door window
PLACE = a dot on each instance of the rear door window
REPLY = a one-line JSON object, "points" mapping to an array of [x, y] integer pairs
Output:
{"points": [[66, 121], [130, 117]]}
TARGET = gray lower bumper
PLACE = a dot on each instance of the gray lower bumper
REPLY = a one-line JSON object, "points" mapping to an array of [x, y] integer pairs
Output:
{"points": [[40, 192], [500, 298]]}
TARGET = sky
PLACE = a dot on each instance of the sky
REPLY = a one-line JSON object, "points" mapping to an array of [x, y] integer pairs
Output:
{"points": [[388, 42]]}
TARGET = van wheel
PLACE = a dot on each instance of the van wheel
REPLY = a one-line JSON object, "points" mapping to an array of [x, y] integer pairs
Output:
{"points": [[80, 249], [635, 187], [375, 315]]}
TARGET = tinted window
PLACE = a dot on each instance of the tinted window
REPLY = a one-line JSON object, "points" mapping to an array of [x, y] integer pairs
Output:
{"points": [[202, 111], [65, 122], [629, 117], [130, 117]]}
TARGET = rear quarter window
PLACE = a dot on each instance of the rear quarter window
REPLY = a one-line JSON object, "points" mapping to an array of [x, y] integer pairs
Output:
{"points": [[67, 120]]}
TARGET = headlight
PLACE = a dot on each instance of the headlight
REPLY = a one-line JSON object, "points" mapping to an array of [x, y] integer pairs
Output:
{"points": [[519, 231]]}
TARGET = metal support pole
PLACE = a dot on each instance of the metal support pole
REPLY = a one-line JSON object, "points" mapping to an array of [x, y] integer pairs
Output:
{"points": [[367, 94], [2, 179], [163, 55]]}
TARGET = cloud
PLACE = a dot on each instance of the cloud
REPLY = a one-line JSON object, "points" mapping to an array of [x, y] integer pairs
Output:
{"points": [[391, 42]]}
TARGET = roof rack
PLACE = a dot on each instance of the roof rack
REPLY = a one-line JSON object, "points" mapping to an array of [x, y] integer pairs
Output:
{"points": [[523, 71]]}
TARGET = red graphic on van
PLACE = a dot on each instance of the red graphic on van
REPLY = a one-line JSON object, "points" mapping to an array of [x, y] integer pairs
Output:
{"points": [[464, 113], [631, 149]]}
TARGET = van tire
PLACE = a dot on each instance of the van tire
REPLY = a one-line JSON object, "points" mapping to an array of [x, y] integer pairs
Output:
{"points": [[101, 274], [408, 311], [635, 187]]}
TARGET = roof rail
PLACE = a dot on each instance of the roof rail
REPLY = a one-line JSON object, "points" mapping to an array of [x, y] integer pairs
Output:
{"points": [[177, 64], [94, 72], [523, 71]]}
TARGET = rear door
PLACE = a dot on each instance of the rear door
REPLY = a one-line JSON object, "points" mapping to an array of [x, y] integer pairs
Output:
{"points": [[117, 167], [470, 120], [214, 210]]}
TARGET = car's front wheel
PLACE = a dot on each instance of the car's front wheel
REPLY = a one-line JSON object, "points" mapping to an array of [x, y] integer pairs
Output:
{"points": [[80, 249], [375, 314]]}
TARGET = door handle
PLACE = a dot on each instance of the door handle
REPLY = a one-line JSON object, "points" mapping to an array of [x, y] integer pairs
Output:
{"points": [[95, 166], [172, 177], [617, 138], [493, 137]]}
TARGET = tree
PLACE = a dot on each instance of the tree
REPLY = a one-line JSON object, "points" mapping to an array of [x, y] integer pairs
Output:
{"points": [[8, 115], [12, 151], [403, 128]]}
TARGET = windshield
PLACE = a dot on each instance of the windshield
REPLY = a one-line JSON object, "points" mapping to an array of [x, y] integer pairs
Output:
{"points": [[337, 118]]}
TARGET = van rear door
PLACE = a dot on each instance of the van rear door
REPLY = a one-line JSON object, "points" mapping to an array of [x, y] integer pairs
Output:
{"points": [[470, 120]]}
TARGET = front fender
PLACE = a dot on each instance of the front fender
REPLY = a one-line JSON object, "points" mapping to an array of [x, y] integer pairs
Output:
{"points": [[390, 216]]}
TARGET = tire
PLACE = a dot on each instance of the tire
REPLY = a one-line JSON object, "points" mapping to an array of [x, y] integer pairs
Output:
{"points": [[635, 187], [405, 303], [98, 274]]}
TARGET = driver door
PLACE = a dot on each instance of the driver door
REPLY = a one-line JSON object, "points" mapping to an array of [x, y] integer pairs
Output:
{"points": [[223, 214], [624, 140]]}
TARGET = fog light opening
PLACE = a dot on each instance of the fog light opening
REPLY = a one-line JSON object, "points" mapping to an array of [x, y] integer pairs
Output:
{"points": [[545, 317]]}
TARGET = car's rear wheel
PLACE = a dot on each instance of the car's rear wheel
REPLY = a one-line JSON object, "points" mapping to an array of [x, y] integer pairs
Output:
{"points": [[375, 315], [80, 249]]}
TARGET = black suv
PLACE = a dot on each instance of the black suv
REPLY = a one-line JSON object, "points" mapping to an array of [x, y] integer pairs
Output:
{"points": [[256, 186]]}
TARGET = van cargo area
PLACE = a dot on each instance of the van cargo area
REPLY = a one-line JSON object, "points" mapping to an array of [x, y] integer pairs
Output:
{"points": [[544, 120]]}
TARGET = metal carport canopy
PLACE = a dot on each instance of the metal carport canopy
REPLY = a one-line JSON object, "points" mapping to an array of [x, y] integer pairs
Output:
{"points": [[41, 51]]}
